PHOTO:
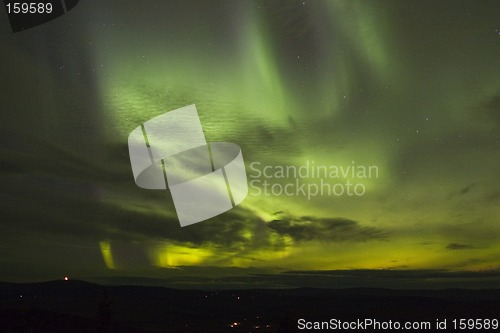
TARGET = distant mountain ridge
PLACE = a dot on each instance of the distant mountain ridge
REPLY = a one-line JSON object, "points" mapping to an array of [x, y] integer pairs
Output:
{"points": [[55, 306]]}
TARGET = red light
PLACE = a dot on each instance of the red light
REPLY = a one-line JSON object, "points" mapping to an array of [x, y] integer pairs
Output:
{"points": [[66, 278]]}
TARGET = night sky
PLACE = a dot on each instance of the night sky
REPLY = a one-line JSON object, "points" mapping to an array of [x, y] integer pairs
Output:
{"points": [[410, 87]]}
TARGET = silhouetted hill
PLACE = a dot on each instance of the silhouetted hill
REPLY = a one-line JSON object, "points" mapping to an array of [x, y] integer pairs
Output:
{"points": [[78, 306]]}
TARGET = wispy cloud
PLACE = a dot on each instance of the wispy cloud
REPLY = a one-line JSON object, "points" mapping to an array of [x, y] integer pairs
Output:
{"points": [[309, 228], [459, 246]]}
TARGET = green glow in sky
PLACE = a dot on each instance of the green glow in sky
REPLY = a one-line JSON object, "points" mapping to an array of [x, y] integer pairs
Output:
{"points": [[334, 83], [329, 83]]}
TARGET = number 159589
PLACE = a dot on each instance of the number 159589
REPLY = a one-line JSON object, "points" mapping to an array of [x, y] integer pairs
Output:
{"points": [[475, 324], [29, 8]]}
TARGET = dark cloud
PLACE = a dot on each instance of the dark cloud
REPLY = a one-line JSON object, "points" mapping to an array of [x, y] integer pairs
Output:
{"points": [[235, 278], [226, 231], [52, 206], [458, 246], [468, 188], [399, 274], [308, 228], [492, 110]]}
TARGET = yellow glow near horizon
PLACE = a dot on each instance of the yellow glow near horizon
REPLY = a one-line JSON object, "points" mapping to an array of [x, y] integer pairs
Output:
{"points": [[169, 255], [107, 255]]}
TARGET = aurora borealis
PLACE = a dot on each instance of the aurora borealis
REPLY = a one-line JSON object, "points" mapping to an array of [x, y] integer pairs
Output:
{"points": [[410, 87]]}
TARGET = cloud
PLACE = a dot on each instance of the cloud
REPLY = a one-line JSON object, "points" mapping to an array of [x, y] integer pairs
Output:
{"points": [[235, 278], [308, 228], [492, 110], [459, 246], [468, 188]]}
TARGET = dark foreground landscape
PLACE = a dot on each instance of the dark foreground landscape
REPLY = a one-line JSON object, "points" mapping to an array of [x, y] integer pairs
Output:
{"points": [[77, 306]]}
